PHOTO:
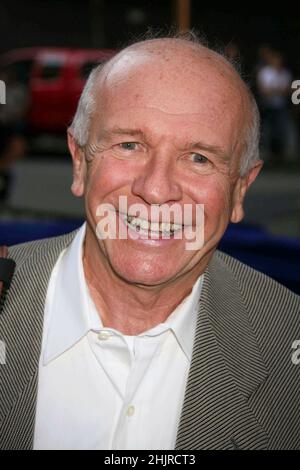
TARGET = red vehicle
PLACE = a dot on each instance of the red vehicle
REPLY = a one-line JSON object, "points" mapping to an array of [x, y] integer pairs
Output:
{"points": [[55, 78]]}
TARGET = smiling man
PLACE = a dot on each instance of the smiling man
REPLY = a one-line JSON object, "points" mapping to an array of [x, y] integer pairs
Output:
{"points": [[136, 341]]}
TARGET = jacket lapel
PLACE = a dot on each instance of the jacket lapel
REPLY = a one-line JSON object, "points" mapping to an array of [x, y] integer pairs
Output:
{"points": [[226, 369], [21, 328]]}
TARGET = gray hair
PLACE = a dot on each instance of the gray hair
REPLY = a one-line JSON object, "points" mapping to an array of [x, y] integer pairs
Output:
{"points": [[80, 125], [86, 108], [250, 154]]}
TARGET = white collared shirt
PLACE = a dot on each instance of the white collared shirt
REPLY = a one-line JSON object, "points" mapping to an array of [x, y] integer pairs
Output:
{"points": [[100, 389]]}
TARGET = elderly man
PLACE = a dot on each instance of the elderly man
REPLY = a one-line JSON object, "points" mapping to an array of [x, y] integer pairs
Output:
{"points": [[140, 341]]}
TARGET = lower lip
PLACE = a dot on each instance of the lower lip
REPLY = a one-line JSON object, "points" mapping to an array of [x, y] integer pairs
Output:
{"points": [[141, 237]]}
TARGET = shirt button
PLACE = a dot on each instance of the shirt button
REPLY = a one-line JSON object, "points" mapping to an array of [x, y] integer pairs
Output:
{"points": [[104, 335], [130, 411]]}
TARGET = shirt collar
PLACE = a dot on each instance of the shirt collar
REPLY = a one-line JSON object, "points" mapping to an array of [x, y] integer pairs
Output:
{"points": [[67, 304], [71, 313], [183, 319]]}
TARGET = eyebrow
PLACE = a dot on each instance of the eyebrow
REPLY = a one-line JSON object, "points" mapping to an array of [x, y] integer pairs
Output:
{"points": [[105, 133]]}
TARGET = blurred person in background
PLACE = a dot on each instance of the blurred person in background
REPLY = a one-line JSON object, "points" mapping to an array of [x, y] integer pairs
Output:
{"points": [[274, 90], [12, 129], [264, 53]]}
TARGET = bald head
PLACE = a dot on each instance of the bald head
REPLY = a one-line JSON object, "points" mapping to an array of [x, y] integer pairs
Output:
{"points": [[181, 53], [178, 77]]}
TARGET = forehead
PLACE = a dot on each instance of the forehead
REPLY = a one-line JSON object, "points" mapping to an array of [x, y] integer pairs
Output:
{"points": [[169, 68], [191, 87]]}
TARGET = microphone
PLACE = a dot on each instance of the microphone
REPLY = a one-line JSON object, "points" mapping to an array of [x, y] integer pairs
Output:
{"points": [[7, 268]]}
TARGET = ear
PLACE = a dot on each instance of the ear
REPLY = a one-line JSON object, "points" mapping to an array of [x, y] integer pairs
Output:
{"points": [[79, 166], [239, 193]]}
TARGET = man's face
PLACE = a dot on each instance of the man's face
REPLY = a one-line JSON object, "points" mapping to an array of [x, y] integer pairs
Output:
{"points": [[163, 134]]}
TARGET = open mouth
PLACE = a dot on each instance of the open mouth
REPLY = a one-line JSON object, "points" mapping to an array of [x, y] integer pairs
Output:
{"points": [[152, 229]]}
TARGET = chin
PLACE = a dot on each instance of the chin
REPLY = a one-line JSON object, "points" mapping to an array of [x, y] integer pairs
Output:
{"points": [[145, 273]]}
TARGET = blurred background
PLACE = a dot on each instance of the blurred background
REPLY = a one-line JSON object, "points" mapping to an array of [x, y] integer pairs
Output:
{"points": [[47, 50]]}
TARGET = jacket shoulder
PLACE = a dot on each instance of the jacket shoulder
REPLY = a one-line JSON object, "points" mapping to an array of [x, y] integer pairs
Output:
{"points": [[250, 280], [273, 310], [39, 248]]}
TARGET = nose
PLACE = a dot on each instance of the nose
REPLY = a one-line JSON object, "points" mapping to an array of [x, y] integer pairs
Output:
{"points": [[156, 183]]}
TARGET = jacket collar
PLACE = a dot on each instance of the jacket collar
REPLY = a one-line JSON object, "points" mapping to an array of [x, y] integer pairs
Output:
{"points": [[226, 364]]}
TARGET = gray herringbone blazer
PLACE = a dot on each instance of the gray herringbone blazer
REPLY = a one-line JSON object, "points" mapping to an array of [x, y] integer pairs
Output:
{"points": [[243, 389]]}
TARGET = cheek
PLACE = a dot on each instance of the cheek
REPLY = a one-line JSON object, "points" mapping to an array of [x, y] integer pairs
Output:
{"points": [[105, 176], [215, 194], [218, 204]]}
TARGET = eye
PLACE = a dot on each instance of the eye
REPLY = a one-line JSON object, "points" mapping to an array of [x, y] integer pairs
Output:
{"points": [[128, 150], [128, 145], [198, 158]]}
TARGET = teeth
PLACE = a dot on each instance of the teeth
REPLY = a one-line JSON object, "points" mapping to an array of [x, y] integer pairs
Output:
{"points": [[154, 226]]}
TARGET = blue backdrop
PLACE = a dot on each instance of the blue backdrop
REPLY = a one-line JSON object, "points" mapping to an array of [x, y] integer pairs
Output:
{"points": [[277, 257]]}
